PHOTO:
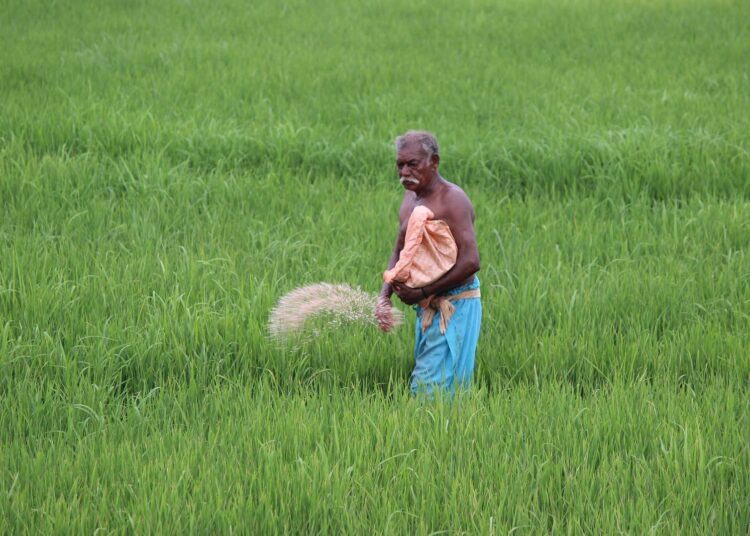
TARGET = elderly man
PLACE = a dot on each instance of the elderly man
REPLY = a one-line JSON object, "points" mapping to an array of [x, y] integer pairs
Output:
{"points": [[444, 351]]}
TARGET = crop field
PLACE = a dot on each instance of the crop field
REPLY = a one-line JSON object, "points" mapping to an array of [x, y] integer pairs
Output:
{"points": [[169, 170]]}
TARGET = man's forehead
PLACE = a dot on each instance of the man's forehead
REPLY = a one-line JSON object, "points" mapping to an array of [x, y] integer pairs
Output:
{"points": [[411, 150]]}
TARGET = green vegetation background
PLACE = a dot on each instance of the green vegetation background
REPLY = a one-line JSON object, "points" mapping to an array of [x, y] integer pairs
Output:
{"points": [[169, 169]]}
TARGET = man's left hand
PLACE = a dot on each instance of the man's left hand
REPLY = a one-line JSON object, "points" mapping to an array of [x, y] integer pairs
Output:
{"points": [[408, 295]]}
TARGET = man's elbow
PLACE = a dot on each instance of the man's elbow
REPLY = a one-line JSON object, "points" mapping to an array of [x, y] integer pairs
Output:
{"points": [[472, 265]]}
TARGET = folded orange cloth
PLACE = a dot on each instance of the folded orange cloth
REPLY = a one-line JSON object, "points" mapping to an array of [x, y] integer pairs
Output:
{"points": [[429, 251]]}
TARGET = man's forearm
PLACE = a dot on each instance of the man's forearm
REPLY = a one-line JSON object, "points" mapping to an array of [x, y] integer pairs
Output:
{"points": [[386, 291]]}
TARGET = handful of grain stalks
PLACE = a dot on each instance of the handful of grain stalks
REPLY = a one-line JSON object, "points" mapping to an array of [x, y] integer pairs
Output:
{"points": [[338, 304]]}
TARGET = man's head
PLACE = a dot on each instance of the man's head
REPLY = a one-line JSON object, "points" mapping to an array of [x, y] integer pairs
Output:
{"points": [[417, 159]]}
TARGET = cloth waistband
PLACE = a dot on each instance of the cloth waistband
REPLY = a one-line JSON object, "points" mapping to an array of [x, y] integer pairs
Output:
{"points": [[443, 304]]}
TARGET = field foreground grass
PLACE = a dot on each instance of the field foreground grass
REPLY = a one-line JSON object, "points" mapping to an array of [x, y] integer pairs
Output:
{"points": [[168, 171], [233, 458]]}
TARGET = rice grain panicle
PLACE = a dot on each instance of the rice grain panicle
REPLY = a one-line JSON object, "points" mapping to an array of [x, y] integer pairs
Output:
{"points": [[341, 302]]}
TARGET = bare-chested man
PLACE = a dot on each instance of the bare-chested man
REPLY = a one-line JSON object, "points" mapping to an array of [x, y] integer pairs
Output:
{"points": [[446, 360]]}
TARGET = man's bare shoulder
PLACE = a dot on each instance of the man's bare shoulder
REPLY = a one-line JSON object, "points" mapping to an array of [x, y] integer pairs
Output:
{"points": [[456, 193], [456, 202]]}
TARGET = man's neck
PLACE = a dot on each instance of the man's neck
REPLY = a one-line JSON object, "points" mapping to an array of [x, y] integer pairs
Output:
{"points": [[431, 187]]}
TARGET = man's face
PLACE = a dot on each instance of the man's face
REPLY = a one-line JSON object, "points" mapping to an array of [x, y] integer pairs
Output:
{"points": [[414, 168]]}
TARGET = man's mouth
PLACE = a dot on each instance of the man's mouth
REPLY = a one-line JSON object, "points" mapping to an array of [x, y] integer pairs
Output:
{"points": [[407, 180]]}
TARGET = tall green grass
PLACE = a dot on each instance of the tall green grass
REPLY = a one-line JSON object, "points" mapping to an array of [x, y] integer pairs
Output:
{"points": [[241, 458], [168, 171]]}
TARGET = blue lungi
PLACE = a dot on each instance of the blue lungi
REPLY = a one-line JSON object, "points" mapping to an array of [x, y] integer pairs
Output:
{"points": [[447, 361]]}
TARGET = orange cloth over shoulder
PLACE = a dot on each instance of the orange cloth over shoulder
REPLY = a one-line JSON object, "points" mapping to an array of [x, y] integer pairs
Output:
{"points": [[429, 251]]}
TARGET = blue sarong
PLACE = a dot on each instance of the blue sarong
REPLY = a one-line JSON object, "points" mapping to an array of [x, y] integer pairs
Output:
{"points": [[447, 361]]}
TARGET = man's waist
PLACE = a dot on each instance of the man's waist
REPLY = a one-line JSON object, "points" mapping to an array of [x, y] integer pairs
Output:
{"points": [[470, 284]]}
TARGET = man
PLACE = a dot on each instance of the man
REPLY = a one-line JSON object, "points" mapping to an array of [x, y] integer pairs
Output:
{"points": [[442, 360]]}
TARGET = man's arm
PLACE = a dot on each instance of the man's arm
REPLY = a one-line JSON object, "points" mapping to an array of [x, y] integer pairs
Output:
{"points": [[386, 290], [403, 215], [461, 222], [384, 305]]}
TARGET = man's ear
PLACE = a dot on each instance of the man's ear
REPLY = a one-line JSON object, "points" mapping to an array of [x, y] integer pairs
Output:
{"points": [[435, 160]]}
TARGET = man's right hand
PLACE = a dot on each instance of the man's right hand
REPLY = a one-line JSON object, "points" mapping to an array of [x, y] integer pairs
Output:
{"points": [[383, 314]]}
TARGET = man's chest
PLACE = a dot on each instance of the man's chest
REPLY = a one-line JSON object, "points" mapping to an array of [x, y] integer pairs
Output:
{"points": [[436, 207]]}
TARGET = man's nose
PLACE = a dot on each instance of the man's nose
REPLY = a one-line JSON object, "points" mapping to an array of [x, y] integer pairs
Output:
{"points": [[404, 171]]}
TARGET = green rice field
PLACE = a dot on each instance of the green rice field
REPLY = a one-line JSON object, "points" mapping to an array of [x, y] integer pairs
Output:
{"points": [[169, 170]]}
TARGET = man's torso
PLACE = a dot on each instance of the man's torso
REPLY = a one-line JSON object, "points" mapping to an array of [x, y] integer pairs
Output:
{"points": [[437, 202]]}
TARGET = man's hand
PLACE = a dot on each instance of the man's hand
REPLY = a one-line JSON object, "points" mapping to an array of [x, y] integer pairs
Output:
{"points": [[408, 295], [384, 315]]}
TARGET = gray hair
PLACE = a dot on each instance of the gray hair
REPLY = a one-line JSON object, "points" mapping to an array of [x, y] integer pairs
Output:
{"points": [[425, 139]]}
